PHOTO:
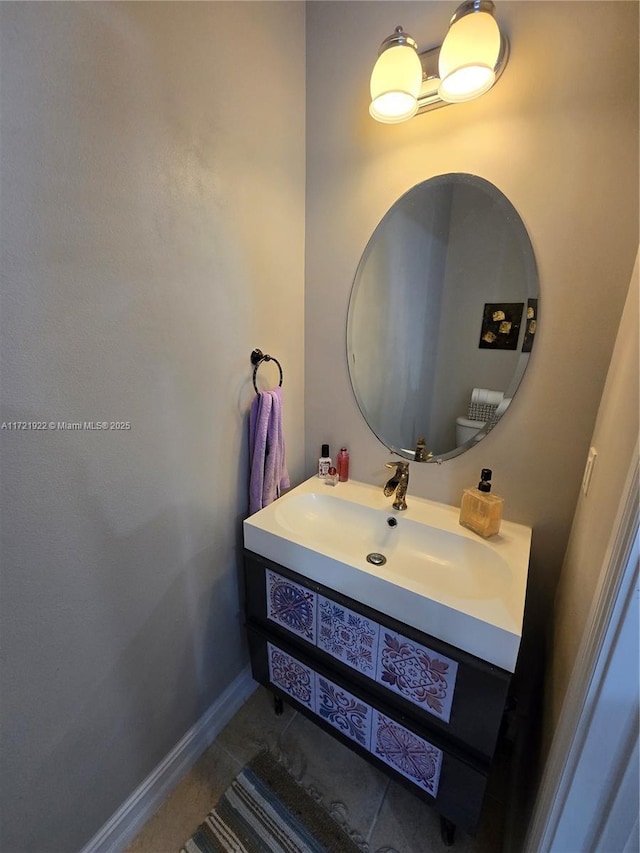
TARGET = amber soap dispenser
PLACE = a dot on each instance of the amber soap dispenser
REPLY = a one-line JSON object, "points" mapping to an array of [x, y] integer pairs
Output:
{"points": [[481, 511]]}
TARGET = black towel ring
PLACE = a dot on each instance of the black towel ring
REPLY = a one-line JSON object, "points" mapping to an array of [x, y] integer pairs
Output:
{"points": [[257, 357]]}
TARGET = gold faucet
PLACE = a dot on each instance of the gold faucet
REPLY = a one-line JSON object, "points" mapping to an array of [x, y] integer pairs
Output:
{"points": [[421, 454], [398, 484]]}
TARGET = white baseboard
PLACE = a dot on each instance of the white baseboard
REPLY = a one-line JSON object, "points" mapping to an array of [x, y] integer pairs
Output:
{"points": [[127, 821]]}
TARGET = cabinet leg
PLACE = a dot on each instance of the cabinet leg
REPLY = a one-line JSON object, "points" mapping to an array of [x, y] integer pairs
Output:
{"points": [[278, 706], [447, 831]]}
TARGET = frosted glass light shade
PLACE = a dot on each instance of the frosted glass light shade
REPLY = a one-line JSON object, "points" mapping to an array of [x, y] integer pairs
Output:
{"points": [[468, 57], [395, 84]]}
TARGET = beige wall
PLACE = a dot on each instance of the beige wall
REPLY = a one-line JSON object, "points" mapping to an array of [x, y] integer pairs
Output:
{"points": [[152, 236], [616, 440], [562, 143]]}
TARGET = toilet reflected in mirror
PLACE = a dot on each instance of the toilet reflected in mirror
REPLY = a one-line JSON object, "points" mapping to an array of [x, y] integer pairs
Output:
{"points": [[466, 429], [485, 410]]}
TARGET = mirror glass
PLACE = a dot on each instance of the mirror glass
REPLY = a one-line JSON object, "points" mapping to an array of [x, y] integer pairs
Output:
{"points": [[442, 317]]}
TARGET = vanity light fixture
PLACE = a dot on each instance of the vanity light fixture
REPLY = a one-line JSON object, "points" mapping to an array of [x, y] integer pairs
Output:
{"points": [[473, 55]]}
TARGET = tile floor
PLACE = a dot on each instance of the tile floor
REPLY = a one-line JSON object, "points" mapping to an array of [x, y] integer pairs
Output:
{"points": [[385, 815]]}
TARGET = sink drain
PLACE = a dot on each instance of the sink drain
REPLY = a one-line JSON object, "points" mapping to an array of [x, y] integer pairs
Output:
{"points": [[376, 559]]}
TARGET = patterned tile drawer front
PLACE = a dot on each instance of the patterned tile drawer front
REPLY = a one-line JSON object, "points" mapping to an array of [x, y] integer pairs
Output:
{"points": [[291, 605], [408, 754], [348, 636], [403, 666], [416, 673], [346, 712], [291, 676]]}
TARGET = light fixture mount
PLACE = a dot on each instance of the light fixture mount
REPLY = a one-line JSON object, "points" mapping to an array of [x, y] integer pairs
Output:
{"points": [[398, 38], [470, 6]]}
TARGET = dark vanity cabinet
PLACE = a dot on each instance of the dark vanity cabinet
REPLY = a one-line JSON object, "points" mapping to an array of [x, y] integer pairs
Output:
{"points": [[422, 710]]}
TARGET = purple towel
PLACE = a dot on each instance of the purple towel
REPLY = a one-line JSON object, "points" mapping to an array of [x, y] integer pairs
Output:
{"points": [[267, 464], [258, 428], [276, 478]]}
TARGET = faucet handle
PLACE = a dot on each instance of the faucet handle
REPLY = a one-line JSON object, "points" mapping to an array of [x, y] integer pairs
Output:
{"points": [[401, 465]]}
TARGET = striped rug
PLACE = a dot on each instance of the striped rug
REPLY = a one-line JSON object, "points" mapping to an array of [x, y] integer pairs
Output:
{"points": [[264, 810]]}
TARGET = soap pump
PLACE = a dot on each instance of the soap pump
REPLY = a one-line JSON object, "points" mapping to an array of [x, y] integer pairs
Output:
{"points": [[480, 510]]}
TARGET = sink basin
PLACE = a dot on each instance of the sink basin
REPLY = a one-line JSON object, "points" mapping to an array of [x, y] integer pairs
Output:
{"points": [[437, 576]]}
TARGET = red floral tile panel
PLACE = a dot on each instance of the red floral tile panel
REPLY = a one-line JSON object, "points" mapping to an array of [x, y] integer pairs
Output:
{"points": [[291, 605], [412, 756], [417, 673], [291, 676]]}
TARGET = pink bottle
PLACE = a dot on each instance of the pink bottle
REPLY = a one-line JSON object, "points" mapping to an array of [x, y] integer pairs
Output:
{"points": [[343, 465]]}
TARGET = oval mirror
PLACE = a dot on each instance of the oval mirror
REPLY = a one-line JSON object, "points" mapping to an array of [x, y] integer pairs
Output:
{"points": [[442, 317]]}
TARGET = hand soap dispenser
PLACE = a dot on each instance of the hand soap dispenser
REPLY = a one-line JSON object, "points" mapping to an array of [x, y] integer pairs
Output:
{"points": [[481, 511]]}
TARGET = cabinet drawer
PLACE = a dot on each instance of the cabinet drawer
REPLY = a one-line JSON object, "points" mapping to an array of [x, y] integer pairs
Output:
{"points": [[441, 687], [411, 754]]}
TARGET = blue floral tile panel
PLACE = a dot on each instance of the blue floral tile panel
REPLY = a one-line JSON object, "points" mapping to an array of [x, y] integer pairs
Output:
{"points": [[412, 756], [416, 673], [345, 712], [291, 676], [291, 605], [348, 636]]}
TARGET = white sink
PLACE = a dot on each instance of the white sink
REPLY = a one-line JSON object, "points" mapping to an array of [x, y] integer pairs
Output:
{"points": [[438, 577]]}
